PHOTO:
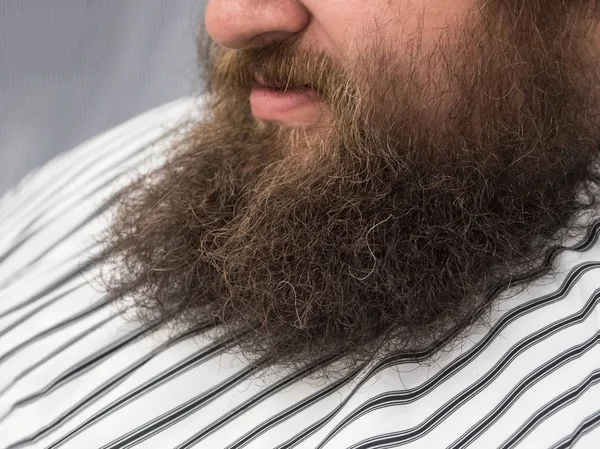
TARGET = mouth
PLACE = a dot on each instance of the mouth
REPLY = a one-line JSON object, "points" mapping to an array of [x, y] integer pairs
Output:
{"points": [[291, 105]]}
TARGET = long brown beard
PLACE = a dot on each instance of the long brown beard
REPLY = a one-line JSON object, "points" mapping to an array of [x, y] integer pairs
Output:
{"points": [[393, 229]]}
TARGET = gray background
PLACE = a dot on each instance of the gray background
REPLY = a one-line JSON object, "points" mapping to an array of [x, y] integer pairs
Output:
{"points": [[70, 69]]}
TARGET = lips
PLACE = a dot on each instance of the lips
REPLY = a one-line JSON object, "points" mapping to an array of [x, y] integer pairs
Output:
{"points": [[285, 103]]}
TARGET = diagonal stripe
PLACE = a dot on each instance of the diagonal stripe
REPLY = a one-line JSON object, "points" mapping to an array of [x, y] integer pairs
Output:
{"points": [[62, 280], [400, 397], [180, 412], [291, 411], [51, 330], [101, 390], [552, 407], [185, 365], [83, 366], [40, 363], [12, 326], [251, 402], [534, 377], [590, 423]]}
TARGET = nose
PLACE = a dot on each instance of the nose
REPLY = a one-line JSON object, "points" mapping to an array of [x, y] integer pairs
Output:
{"points": [[254, 23]]}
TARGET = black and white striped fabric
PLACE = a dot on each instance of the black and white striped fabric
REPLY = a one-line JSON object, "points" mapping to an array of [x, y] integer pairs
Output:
{"points": [[75, 374]]}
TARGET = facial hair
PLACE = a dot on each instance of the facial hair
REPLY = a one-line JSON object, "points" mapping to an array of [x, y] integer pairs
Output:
{"points": [[388, 232]]}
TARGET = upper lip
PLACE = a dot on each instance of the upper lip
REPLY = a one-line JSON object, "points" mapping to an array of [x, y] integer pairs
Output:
{"points": [[259, 79]]}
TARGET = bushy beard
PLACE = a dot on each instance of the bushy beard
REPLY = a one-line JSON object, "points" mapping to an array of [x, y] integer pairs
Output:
{"points": [[390, 231]]}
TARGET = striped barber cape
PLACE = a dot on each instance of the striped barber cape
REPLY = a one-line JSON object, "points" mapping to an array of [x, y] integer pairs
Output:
{"points": [[76, 374]]}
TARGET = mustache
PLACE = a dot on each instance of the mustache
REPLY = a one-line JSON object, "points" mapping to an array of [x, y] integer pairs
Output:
{"points": [[281, 65]]}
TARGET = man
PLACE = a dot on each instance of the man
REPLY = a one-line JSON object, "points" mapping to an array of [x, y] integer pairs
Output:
{"points": [[380, 232]]}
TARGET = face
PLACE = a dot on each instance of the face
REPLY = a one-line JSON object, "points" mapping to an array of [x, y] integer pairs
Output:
{"points": [[369, 175], [342, 29]]}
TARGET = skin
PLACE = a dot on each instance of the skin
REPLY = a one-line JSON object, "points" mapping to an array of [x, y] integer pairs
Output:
{"points": [[342, 29]]}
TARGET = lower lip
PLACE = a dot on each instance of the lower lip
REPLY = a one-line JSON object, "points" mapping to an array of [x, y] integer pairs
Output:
{"points": [[269, 104]]}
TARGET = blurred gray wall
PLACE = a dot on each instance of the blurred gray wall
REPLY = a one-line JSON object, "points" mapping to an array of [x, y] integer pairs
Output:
{"points": [[70, 69]]}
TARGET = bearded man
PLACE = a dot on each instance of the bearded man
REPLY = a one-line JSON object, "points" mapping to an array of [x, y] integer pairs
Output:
{"points": [[379, 231]]}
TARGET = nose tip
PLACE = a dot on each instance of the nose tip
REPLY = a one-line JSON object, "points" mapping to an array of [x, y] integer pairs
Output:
{"points": [[243, 24]]}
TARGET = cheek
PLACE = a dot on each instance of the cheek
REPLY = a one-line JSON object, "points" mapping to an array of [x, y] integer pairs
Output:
{"points": [[408, 24], [345, 27]]}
